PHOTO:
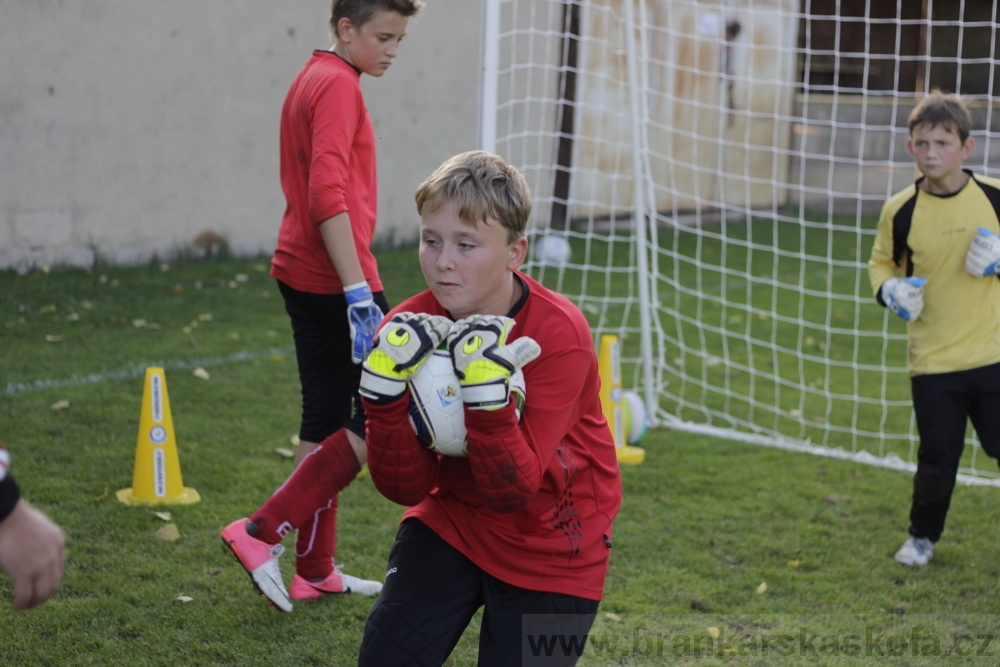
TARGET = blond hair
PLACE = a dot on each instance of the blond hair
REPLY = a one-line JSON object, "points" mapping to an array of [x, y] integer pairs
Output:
{"points": [[485, 188]]}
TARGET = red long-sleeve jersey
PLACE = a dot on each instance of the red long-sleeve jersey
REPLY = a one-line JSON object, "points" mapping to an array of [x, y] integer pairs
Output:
{"points": [[327, 167], [534, 501]]}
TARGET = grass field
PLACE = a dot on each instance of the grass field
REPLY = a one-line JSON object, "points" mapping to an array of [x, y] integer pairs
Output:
{"points": [[724, 553]]}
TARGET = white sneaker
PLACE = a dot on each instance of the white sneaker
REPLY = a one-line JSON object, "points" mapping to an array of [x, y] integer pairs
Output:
{"points": [[916, 552]]}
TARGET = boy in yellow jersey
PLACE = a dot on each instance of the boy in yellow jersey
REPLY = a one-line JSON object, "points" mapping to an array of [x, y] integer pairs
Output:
{"points": [[934, 263]]}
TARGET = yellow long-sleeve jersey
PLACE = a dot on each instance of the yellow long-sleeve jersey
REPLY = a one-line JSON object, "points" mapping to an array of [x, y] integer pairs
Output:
{"points": [[925, 235]]}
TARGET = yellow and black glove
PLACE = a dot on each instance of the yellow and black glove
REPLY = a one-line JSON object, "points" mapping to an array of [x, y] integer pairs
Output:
{"points": [[484, 361], [404, 343]]}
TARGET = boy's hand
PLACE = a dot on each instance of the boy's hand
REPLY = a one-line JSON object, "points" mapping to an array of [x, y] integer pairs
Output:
{"points": [[404, 343], [983, 258], [904, 296], [484, 361], [363, 317]]}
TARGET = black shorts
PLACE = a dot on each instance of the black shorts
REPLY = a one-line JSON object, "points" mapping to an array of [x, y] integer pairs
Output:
{"points": [[328, 377], [431, 593]]}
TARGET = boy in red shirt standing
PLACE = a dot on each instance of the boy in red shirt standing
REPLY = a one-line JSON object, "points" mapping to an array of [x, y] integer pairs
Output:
{"points": [[521, 526], [333, 295]]}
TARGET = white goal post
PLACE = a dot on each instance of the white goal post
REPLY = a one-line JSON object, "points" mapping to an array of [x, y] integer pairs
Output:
{"points": [[718, 167]]}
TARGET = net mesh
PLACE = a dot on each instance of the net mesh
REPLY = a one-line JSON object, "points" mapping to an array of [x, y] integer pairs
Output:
{"points": [[718, 169]]}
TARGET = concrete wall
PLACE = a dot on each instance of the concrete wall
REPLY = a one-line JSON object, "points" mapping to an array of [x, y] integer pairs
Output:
{"points": [[129, 127]]}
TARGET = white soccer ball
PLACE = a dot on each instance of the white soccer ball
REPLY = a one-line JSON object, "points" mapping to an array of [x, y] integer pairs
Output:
{"points": [[437, 413], [553, 250], [634, 415]]}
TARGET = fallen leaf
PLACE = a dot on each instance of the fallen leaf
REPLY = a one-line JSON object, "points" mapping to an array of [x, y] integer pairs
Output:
{"points": [[713, 632], [205, 317], [287, 453], [762, 588], [168, 533], [294, 440], [139, 323], [53, 339], [164, 515], [612, 617], [177, 289], [234, 335], [103, 495], [183, 598], [61, 405], [241, 277], [794, 563], [201, 373], [51, 308]]}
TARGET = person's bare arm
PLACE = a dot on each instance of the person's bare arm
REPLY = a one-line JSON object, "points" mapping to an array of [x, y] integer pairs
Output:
{"points": [[32, 553]]}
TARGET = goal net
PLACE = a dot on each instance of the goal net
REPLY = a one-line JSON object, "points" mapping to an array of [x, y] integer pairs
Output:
{"points": [[718, 168]]}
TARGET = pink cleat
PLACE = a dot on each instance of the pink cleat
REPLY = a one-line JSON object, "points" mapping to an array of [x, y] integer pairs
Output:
{"points": [[260, 560], [336, 583]]}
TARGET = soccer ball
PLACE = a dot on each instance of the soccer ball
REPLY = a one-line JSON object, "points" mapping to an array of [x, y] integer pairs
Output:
{"points": [[437, 413], [553, 250], [634, 417]]}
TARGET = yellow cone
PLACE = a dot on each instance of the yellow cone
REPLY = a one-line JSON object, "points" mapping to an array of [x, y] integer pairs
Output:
{"points": [[609, 368], [156, 479]]}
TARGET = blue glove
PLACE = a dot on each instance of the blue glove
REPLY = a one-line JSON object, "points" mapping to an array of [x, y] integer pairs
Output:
{"points": [[363, 317], [983, 258], [904, 296]]}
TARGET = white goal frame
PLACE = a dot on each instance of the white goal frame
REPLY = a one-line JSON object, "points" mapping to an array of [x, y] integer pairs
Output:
{"points": [[716, 166]]}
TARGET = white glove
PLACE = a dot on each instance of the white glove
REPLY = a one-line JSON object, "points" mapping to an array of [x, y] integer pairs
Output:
{"points": [[983, 258], [904, 296], [484, 361], [400, 347]]}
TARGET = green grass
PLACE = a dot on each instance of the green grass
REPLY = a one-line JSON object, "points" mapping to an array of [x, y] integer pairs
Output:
{"points": [[704, 523]]}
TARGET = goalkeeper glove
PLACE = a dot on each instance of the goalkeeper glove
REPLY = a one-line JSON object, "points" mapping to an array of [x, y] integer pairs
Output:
{"points": [[983, 258], [404, 343], [483, 360], [904, 296], [363, 317]]}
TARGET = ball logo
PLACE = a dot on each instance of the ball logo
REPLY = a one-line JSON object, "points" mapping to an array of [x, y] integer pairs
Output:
{"points": [[448, 395], [157, 435]]}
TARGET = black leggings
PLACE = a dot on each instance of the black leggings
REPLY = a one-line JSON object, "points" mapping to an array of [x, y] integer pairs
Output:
{"points": [[328, 377], [431, 593], [944, 403]]}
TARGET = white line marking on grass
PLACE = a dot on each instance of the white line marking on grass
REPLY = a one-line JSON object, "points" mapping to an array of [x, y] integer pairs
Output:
{"points": [[129, 372]]}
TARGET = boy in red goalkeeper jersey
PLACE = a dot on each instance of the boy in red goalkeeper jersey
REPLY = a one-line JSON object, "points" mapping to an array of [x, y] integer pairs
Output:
{"points": [[521, 527], [329, 280]]}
